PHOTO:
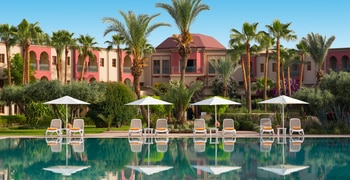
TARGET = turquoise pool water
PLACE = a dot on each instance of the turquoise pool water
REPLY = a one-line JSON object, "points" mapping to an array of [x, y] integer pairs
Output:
{"points": [[175, 158]]}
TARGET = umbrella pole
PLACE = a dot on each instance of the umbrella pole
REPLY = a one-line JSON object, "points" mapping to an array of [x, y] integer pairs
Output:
{"points": [[148, 116], [283, 119], [216, 119], [67, 120]]}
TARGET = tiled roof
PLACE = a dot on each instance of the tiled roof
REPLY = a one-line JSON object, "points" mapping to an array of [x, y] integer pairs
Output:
{"points": [[199, 41]]}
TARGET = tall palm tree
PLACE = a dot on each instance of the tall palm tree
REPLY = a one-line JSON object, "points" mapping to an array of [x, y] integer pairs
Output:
{"points": [[280, 31], [184, 13], [288, 57], [301, 46], [7, 36], [117, 40], [318, 46], [58, 44], [266, 42], [238, 50], [69, 41], [224, 68], [26, 34], [248, 34], [135, 31], [86, 46]]}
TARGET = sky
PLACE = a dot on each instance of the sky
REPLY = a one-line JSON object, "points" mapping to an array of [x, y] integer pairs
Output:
{"points": [[84, 17]]}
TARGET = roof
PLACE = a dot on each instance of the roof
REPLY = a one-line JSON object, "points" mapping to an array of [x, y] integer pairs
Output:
{"points": [[199, 41]]}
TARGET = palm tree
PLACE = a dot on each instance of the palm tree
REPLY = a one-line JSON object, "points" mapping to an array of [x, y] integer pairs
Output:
{"points": [[58, 44], [184, 13], [266, 42], [26, 34], [117, 40], [135, 32], [248, 34], [86, 47], [238, 50], [318, 46], [303, 51], [224, 68], [7, 36], [288, 57], [280, 31]]}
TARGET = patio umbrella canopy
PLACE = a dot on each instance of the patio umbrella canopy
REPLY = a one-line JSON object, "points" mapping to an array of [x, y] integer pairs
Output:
{"points": [[148, 101], [283, 100], [66, 100], [216, 101]]}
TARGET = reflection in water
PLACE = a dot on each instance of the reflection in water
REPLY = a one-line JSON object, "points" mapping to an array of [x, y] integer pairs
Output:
{"points": [[285, 169], [26, 158], [78, 146]]}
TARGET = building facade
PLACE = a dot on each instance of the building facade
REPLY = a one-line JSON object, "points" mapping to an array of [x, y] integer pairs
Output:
{"points": [[164, 65]]}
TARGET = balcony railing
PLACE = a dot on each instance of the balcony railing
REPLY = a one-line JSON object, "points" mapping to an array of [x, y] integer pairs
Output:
{"points": [[189, 69]]}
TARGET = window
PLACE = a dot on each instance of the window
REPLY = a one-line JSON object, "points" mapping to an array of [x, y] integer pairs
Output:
{"points": [[211, 69], [274, 67], [191, 66], [102, 62], [68, 59], [308, 65], [156, 66], [165, 67], [262, 68], [2, 58], [54, 60], [114, 62], [2, 109]]}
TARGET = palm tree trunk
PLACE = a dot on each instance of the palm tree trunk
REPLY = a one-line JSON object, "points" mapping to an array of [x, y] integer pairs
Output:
{"points": [[301, 75], [66, 66], [82, 69], [24, 67], [288, 79], [244, 75], [249, 92], [28, 63], [283, 82], [183, 68], [120, 78], [266, 70], [8, 61], [59, 67], [278, 72]]}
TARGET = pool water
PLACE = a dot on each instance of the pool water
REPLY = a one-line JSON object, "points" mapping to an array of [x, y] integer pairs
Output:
{"points": [[175, 158]]}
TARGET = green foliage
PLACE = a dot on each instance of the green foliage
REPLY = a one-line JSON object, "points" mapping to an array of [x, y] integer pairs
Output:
{"points": [[217, 86], [12, 119], [116, 96], [337, 83]]}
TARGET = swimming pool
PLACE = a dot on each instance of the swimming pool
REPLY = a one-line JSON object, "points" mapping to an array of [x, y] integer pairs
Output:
{"points": [[175, 158]]}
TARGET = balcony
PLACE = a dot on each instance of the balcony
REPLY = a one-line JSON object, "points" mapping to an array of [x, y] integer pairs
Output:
{"points": [[189, 69]]}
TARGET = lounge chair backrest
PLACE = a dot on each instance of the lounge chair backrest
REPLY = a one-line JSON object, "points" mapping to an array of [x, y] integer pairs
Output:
{"points": [[295, 122], [56, 123], [199, 123], [265, 122], [136, 123], [228, 123], [162, 123], [78, 123]]}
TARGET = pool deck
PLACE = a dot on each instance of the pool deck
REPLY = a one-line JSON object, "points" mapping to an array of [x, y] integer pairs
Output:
{"points": [[239, 134]]}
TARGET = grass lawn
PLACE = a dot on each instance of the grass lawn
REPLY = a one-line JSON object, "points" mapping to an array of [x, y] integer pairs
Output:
{"points": [[15, 131]]}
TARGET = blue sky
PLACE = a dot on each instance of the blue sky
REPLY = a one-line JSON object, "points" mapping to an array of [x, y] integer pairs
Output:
{"points": [[84, 17]]}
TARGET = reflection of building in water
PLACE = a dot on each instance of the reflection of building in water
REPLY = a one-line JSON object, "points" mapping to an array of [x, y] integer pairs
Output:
{"points": [[4, 174]]}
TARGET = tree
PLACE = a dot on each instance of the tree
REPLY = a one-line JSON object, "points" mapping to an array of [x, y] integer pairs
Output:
{"points": [[288, 57], [117, 40], [301, 46], [318, 46], [135, 31], [61, 40], [248, 34], [184, 13], [266, 42], [26, 34], [238, 51], [86, 46], [16, 67], [280, 31], [224, 68], [7, 36]]}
